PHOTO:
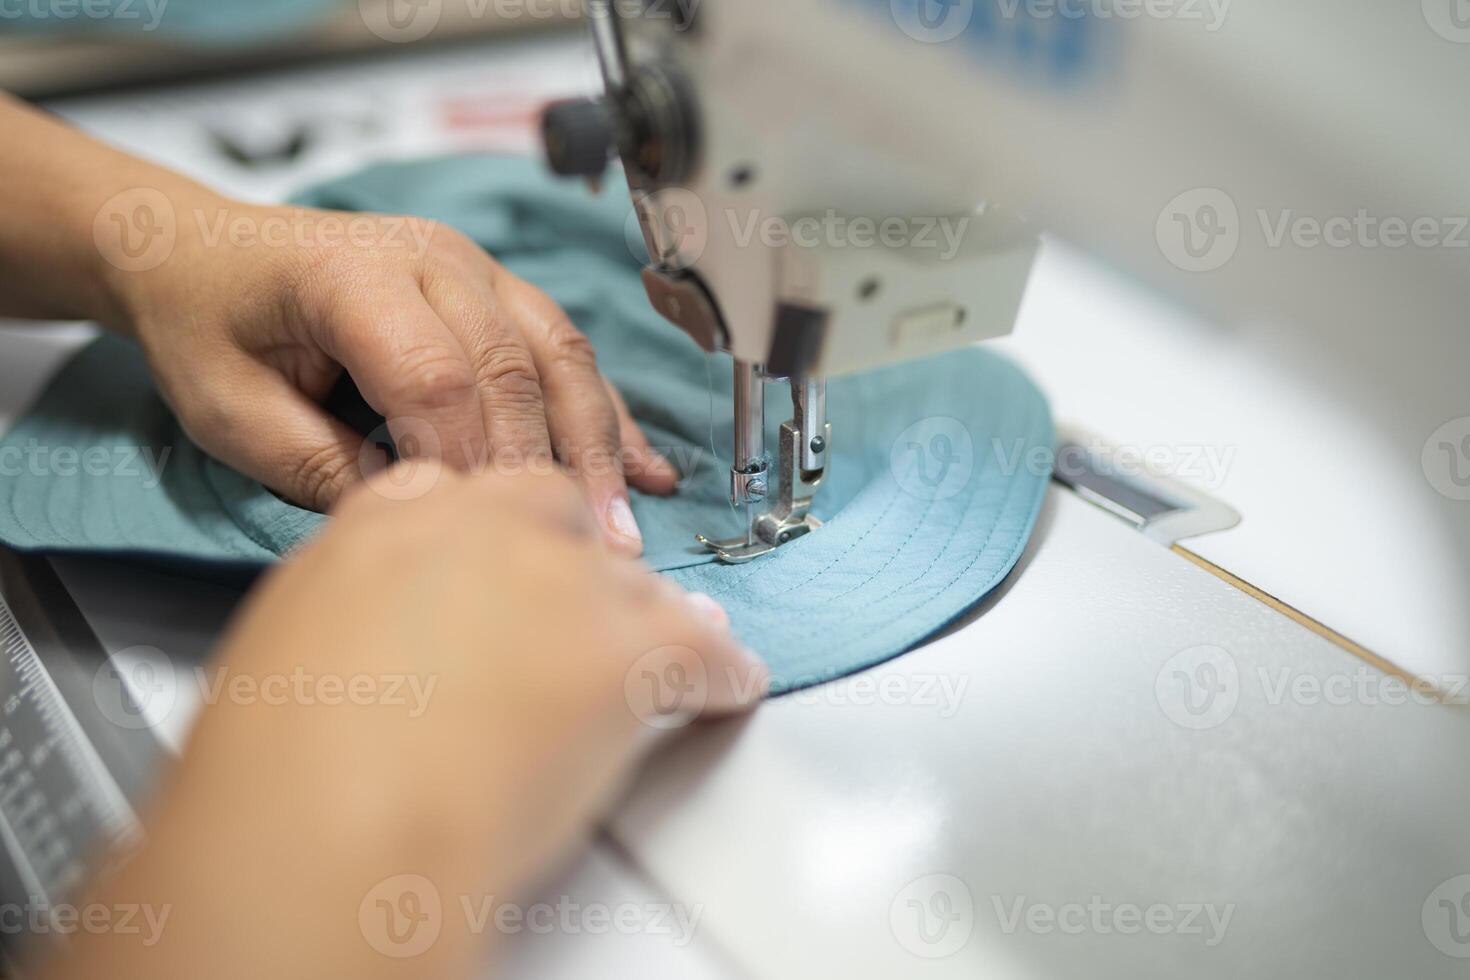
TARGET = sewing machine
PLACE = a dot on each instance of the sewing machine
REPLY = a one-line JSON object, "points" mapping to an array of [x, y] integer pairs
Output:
{"points": [[942, 112], [1093, 742], [713, 155]]}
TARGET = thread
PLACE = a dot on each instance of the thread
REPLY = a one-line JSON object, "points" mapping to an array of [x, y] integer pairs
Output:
{"points": [[709, 381]]}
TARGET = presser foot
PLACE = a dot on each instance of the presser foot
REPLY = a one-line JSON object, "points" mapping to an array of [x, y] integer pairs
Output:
{"points": [[736, 551], [770, 535], [804, 444]]}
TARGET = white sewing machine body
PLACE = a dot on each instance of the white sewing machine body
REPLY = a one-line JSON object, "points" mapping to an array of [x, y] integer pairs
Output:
{"points": [[1235, 157], [1047, 755], [1089, 119]]}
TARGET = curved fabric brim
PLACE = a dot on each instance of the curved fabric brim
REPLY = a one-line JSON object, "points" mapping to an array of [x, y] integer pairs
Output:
{"points": [[937, 470]]}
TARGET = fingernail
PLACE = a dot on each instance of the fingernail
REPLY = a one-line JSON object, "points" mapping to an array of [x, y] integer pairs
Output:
{"points": [[621, 523], [707, 607]]}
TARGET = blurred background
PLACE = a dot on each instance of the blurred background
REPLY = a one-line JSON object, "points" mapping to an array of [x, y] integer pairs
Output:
{"points": [[51, 48], [259, 98]]}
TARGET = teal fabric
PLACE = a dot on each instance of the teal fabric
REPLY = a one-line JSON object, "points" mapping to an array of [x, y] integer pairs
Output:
{"points": [[938, 468], [223, 22]]}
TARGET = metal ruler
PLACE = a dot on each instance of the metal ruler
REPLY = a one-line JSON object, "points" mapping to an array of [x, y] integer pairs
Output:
{"points": [[69, 775]]}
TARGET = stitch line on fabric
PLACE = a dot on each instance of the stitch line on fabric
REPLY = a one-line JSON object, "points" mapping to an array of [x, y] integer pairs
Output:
{"points": [[754, 571], [1015, 553], [135, 418], [977, 482], [940, 592], [1010, 491], [892, 555], [737, 581], [245, 527], [47, 519], [874, 575], [112, 516], [917, 637]]}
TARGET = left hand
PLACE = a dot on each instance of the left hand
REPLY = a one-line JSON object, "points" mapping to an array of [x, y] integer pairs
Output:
{"points": [[246, 334]]}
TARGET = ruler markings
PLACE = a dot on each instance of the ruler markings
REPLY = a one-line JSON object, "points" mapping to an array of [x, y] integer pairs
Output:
{"points": [[44, 855]]}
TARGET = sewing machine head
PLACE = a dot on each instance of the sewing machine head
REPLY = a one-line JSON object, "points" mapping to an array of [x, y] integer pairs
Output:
{"points": [[791, 221]]}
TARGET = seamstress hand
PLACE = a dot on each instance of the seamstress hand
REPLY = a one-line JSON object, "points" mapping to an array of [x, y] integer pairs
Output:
{"points": [[291, 829], [249, 315]]}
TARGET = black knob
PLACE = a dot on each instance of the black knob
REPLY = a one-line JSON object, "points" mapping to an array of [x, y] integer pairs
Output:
{"points": [[579, 136]]}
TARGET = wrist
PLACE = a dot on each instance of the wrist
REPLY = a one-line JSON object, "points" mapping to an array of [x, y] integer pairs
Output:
{"points": [[143, 243]]}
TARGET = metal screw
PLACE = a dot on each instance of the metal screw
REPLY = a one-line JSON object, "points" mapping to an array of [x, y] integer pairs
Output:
{"points": [[756, 489], [819, 445]]}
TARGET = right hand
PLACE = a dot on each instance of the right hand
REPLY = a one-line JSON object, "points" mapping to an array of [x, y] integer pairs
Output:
{"points": [[286, 818], [501, 588]]}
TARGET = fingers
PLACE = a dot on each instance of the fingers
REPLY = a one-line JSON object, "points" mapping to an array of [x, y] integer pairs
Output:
{"points": [[411, 369], [537, 503], [643, 467], [276, 435], [508, 377], [695, 667], [582, 417], [551, 500], [735, 679], [495, 310], [660, 657], [474, 366]]}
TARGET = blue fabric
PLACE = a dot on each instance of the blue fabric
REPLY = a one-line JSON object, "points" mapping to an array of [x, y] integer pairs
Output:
{"points": [[938, 468]]}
